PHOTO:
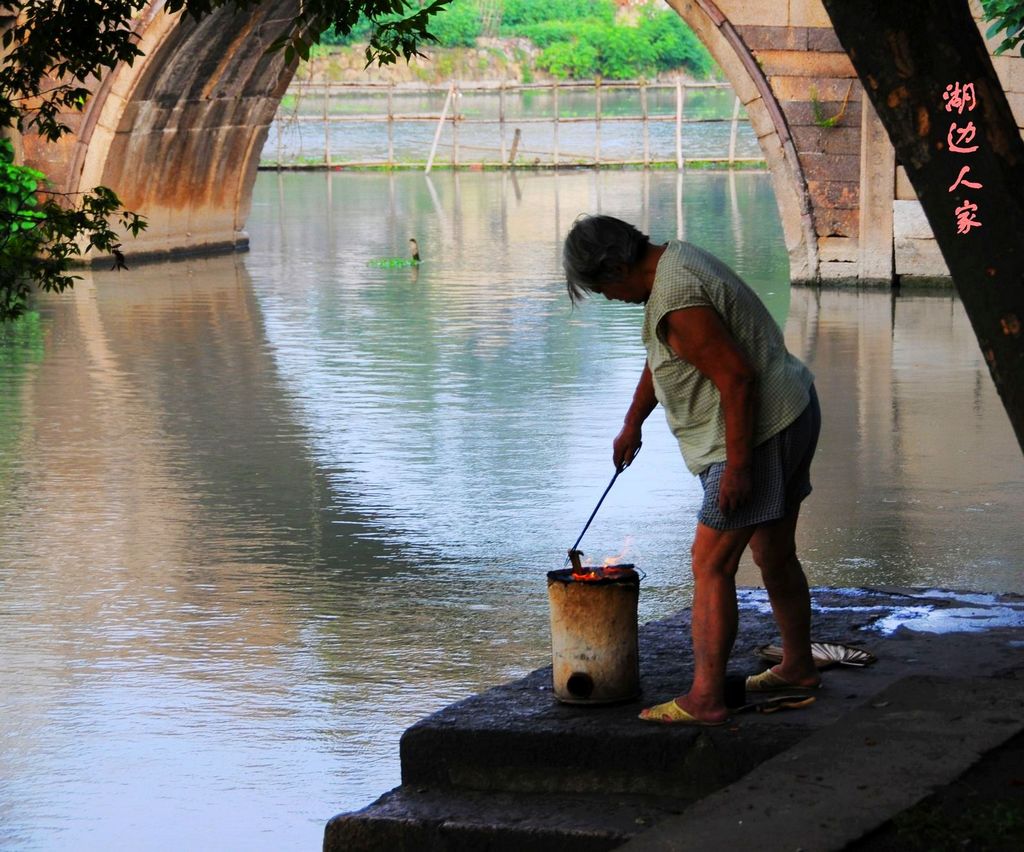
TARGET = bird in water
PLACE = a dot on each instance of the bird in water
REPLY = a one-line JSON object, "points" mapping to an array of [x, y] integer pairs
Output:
{"points": [[413, 260]]}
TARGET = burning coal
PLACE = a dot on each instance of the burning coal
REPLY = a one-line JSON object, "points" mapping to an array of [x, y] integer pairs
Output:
{"points": [[610, 570], [605, 572]]}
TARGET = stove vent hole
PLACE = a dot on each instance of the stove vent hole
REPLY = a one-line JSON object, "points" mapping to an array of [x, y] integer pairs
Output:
{"points": [[580, 685]]}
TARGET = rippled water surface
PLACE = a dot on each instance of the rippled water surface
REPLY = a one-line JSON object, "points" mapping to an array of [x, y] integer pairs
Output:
{"points": [[258, 514]]}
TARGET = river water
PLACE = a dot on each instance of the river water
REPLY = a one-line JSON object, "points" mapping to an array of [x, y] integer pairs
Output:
{"points": [[260, 513]]}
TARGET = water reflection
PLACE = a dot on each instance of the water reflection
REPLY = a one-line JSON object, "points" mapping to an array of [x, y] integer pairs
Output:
{"points": [[919, 478], [261, 513]]}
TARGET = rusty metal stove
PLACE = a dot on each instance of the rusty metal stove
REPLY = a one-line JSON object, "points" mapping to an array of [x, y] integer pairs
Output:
{"points": [[594, 652]]}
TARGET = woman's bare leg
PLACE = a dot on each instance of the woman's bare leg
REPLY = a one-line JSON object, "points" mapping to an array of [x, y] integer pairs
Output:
{"points": [[774, 550], [716, 556]]}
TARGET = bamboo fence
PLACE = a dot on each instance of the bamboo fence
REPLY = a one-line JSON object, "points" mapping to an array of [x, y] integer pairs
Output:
{"points": [[503, 152]]}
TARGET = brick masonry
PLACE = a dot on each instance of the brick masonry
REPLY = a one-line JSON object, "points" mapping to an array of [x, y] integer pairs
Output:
{"points": [[813, 81]]}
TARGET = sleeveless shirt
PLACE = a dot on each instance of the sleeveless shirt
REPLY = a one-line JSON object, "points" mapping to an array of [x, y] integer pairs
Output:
{"points": [[686, 277]]}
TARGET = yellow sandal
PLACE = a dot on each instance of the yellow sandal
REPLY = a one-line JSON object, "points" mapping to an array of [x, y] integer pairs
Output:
{"points": [[670, 713]]}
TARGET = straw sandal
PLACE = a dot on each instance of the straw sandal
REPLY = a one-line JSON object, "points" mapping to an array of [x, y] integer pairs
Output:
{"points": [[670, 713], [768, 681]]}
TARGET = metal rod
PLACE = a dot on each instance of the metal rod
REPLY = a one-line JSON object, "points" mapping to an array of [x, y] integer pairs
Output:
{"points": [[598, 506], [586, 526]]}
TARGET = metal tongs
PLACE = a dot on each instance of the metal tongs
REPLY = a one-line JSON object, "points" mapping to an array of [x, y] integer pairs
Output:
{"points": [[586, 526]]}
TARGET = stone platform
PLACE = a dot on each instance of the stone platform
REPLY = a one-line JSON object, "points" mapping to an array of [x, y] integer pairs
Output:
{"points": [[512, 769]]}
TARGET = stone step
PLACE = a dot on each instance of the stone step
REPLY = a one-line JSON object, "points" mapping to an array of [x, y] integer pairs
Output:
{"points": [[513, 769], [411, 819], [516, 738], [825, 793], [852, 777]]}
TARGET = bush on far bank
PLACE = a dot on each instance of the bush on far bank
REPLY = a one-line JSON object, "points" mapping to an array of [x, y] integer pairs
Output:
{"points": [[460, 25], [517, 14], [578, 39]]}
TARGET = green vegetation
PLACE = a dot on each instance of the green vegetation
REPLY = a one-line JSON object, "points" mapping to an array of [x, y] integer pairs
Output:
{"points": [[523, 13], [579, 39], [1009, 17], [821, 118], [594, 47], [40, 234], [458, 26]]}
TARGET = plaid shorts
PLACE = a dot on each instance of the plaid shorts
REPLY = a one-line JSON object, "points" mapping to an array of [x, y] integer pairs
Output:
{"points": [[781, 471]]}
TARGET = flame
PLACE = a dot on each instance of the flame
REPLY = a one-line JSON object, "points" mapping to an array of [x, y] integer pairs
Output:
{"points": [[622, 555], [591, 573], [613, 567]]}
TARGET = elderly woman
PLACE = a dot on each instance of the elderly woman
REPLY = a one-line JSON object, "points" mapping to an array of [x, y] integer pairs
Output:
{"points": [[746, 417]]}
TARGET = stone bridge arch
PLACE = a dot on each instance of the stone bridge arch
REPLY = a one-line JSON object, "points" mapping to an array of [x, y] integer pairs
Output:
{"points": [[713, 23], [179, 134], [785, 63]]}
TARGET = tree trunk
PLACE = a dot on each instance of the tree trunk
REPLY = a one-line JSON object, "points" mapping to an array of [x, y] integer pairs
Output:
{"points": [[908, 56]]}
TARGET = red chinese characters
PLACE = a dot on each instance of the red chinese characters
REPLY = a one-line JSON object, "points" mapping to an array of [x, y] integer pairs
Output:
{"points": [[962, 134], [966, 217], [961, 99]]}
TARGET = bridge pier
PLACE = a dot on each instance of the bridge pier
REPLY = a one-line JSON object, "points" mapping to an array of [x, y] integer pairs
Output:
{"points": [[848, 212]]}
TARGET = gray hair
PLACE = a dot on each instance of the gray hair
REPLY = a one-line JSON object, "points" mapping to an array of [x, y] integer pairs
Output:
{"points": [[598, 251]]}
